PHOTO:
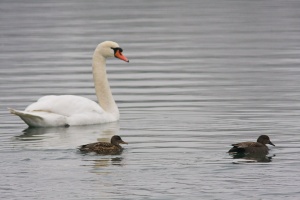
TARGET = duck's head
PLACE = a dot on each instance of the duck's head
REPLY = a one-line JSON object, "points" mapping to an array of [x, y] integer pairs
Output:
{"points": [[116, 140], [111, 49], [264, 139]]}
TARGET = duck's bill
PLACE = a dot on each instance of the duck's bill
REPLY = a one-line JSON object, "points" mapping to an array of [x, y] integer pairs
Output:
{"points": [[271, 143], [122, 142], [119, 55]]}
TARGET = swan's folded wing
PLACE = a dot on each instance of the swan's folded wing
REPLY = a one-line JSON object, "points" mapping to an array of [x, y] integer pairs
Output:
{"points": [[65, 105]]}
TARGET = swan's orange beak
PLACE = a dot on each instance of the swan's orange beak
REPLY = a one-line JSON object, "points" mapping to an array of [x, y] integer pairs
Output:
{"points": [[119, 55]]}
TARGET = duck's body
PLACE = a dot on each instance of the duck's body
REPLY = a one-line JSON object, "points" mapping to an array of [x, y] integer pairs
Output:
{"points": [[258, 147], [71, 110], [104, 147]]}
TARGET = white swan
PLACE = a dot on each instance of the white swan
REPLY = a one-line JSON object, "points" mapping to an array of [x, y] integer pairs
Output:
{"points": [[70, 110]]}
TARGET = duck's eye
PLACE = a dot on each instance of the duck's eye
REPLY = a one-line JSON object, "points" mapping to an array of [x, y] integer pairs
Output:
{"points": [[118, 137]]}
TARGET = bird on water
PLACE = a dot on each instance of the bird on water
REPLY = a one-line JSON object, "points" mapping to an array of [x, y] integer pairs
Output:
{"points": [[72, 110], [105, 148], [258, 147]]}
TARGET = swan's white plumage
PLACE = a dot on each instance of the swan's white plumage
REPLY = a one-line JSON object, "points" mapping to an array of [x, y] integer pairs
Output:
{"points": [[64, 110], [66, 105]]}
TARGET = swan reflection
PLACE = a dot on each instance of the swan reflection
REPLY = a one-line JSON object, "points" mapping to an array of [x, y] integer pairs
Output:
{"points": [[66, 138]]}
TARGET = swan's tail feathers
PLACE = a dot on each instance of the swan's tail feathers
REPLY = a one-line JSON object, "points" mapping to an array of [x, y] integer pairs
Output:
{"points": [[23, 114], [31, 120], [39, 119]]}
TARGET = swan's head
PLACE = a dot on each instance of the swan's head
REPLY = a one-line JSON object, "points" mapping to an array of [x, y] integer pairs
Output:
{"points": [[111, 49]]}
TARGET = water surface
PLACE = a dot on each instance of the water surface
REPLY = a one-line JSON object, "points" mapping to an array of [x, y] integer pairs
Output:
{"points": [[202, 75]]}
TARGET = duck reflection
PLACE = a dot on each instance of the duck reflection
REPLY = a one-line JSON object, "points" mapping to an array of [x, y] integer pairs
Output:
{"points": [[105, 162], [250, 158]]}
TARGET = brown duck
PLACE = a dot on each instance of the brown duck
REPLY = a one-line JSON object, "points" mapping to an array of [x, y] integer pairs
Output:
{"points": [[258, 147], [104, 147]]}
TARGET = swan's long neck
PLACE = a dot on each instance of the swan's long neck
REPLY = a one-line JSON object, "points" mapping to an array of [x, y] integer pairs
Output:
{"points": [[102, 88]]}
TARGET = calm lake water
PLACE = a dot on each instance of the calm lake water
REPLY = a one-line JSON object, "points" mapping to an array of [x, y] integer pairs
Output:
{"points": [[203, 74]]}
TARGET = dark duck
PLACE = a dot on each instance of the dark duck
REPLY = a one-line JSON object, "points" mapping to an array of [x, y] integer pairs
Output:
{"points": [[258, 147], [105, 148]]}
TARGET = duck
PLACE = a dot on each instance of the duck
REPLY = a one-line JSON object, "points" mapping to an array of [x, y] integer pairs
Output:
{"points": [[105, 148], [258, 147], [72, 110]]}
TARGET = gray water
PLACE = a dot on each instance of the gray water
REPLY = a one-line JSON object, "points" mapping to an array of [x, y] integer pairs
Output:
{"points": [[203, 74]]}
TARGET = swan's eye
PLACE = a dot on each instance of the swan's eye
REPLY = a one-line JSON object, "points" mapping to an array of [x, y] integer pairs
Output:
{"points": [[117, 49]]}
